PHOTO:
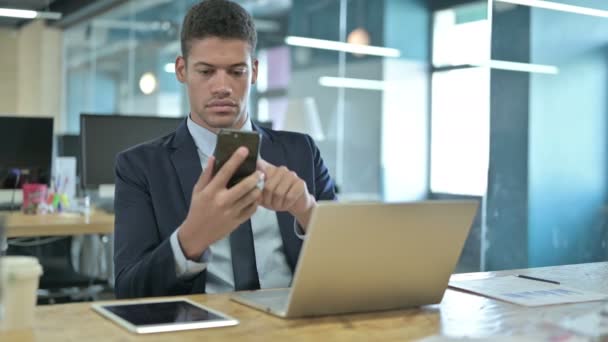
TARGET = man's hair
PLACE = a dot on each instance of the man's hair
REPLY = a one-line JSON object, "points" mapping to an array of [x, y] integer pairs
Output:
{"points": [[217, 18]]}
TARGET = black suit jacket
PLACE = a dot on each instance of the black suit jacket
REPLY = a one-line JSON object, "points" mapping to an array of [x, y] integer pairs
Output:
{"points": [[154, 183]]}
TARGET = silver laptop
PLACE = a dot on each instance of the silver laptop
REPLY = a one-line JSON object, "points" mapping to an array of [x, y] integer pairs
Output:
{"points": [[360, 257]]}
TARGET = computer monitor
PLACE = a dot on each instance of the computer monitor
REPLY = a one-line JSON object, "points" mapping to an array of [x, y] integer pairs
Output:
{"points": [[26, 151], [104, 136], [68, 145]]}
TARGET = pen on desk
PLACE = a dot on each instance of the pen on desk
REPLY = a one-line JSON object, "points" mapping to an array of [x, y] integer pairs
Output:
{"points": [[538, 279]]}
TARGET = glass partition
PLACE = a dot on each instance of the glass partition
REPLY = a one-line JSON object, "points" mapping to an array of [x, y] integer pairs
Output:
{"points": [[499, 101]]}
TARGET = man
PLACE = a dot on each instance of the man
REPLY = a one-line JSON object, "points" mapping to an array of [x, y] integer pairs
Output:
{"points": [[179, 229]]}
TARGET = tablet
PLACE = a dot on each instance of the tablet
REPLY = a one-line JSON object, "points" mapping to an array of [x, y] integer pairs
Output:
{"points": [[151, 316]]}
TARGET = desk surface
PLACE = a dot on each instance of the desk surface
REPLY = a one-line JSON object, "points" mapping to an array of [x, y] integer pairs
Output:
{"points": [[460, 314], [22, 225]]}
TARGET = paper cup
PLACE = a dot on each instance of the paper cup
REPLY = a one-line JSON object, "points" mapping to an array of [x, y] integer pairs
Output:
{"points": [[19, 276]]}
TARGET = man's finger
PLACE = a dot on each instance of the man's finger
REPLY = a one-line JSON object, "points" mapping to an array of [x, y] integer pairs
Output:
{"points": [[292, 196], [244, 186], [224, 174], [281, 193], [205, 176], [262, 165], [270, 190], [248, 211], [251, 197]]}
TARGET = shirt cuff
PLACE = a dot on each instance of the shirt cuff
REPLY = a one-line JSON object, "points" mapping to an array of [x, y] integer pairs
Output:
{"points": [[185, 268], [298, 230]]}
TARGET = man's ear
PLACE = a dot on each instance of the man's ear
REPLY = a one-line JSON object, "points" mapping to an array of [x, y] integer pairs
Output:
{"points": [[254, 71], [180, 69]]}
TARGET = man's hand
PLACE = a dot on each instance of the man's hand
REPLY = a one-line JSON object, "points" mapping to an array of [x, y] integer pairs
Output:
{"points": [[285, 191], [215, 211]]}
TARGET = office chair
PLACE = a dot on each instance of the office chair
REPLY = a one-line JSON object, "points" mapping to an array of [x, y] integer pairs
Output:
{"points": [[60, 282]]}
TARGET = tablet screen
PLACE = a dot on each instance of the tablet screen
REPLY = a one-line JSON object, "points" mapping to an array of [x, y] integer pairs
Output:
{"points": [[162, 313]]}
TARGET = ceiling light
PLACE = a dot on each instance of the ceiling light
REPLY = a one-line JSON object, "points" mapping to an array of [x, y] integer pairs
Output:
{"points": [[358, 36], [341, 46], [147, 83], [522, 67], [353, 83], [27, 14], [170, 68], [559, 7]]}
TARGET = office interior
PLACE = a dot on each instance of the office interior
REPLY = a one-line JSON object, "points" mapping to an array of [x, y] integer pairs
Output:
{"points": [[497, 101]]}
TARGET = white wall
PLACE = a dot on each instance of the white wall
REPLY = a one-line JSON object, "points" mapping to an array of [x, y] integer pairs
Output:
{"points": [[8, 71], [30, 71]]}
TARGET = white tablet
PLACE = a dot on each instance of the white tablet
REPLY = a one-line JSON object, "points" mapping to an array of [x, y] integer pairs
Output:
{"points": [[151, 316]]}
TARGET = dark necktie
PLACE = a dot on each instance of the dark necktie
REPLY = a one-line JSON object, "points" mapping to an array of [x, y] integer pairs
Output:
{"points": [[243, 258]]}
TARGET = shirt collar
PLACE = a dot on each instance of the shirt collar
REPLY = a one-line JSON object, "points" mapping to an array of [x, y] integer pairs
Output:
{"points": [[205, 140]]}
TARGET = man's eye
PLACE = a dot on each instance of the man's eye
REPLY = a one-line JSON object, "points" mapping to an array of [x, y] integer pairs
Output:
{"points": [[239, 72], [205, 72]]}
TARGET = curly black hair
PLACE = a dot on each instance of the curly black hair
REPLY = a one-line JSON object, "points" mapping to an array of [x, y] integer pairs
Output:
{"points": [[217, 18]]}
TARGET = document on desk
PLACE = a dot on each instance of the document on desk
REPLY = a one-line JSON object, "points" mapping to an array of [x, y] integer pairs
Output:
{"points": [[526, 292], [561, 337]]}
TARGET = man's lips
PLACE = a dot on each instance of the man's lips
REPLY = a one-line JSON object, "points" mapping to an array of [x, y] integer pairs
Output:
{"points": [[221, 106]]}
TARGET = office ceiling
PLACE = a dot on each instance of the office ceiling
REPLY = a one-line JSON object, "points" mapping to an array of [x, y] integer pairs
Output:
{"points": [[34, 5], [26, 4], [65, 7], [262, 8]]}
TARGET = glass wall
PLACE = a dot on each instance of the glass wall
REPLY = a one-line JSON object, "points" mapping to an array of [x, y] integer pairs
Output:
{"points": [[499, 101], [518, 120], [121, 62], [546, 198]]}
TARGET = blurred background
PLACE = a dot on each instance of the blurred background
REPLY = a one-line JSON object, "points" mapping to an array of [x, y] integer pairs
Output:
{"points": [[500, 101]]}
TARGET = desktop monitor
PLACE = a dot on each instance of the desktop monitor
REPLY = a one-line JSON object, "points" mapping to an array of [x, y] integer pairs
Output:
{"points": [[104, 136], [26, 150], [68, 145]]}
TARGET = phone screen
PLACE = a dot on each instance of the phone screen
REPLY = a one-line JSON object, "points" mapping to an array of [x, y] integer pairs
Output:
{"points": [[228, 141]]}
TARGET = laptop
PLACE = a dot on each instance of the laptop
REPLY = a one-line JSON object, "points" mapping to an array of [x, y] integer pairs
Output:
{"points": [[361, 257]]}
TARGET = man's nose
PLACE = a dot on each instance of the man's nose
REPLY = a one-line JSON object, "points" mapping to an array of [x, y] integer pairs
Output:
{"points": [[221, 84]]}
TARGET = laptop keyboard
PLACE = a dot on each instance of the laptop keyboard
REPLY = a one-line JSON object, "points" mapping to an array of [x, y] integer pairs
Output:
{"points": [[273, 293], [276, 299]]}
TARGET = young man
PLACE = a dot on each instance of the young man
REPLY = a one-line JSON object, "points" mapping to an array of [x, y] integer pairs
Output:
{"points": [[179, 229]]}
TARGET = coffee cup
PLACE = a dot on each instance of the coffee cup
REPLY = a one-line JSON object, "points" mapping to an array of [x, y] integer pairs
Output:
{"points": [[19, 277]]}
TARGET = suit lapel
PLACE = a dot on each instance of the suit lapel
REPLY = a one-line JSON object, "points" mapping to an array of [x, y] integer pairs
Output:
{"points": [[186, 161]]}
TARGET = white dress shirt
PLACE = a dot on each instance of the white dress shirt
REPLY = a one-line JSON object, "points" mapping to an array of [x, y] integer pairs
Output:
{"points": [[273, 270]]}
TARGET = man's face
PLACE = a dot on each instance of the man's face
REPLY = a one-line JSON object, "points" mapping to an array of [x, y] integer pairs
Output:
{"points": [[218, 74]]}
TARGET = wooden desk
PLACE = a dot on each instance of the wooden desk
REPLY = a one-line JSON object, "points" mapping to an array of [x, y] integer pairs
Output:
{"points": [[459, 314], [21, 225]]}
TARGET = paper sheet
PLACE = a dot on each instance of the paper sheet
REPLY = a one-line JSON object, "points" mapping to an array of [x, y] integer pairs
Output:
{"points": [[65, 176], [527, 292], [515, 338]]}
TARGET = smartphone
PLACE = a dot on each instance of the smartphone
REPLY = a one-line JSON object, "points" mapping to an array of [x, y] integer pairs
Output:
{"points": [[228, 141]]}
